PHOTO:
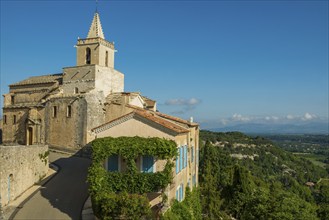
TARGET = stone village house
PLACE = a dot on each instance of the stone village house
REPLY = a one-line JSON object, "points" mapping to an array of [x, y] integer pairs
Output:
{"points": [[70, 109]]}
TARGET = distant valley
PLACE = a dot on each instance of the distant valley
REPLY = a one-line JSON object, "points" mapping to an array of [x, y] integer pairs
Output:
{"points": [[262, 128]]}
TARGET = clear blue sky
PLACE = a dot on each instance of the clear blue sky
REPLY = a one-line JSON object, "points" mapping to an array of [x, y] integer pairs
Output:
{"points": [[218, 61]]}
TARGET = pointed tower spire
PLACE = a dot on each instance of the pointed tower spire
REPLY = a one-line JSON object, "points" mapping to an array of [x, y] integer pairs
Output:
{"points": [[96, 28]]}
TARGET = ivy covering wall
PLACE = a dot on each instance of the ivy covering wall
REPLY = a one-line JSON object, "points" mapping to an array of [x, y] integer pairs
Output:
{"points": [[123, 194]]}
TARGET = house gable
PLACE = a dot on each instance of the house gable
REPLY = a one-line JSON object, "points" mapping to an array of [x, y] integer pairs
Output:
{"points": [[133, 125], [139, 123]]}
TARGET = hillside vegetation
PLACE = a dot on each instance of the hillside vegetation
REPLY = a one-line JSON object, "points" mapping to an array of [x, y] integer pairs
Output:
{"points": [[251, 178]]}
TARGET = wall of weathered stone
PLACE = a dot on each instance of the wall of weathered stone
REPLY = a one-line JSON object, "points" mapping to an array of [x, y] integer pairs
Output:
{"points": [[108, 80], [21, 167], [95, 112], [14, 131], [98, 48], [113, 111], [66, 131], [30, 93], [82, 78]]}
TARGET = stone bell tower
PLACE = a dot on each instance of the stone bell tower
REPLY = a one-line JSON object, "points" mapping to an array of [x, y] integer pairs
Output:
{"points": [[94, 70], [95, 49]]}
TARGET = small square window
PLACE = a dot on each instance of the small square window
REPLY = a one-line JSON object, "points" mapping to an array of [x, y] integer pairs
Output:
{"points": [[113, 163]]}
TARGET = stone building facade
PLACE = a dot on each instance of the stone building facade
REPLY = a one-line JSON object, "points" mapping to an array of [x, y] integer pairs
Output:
{"points": [[70, 109], [61, 109]]}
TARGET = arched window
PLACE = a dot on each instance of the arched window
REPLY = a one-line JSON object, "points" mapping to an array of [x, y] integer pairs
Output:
{"points": [[107, 58], [76, 90], [88, 55]]}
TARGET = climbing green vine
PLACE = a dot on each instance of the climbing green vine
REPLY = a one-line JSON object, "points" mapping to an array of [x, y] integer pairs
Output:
{"points": [[113, 192], [44, 157]]}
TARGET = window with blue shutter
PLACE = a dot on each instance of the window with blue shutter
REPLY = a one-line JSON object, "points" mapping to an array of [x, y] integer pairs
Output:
{"points": [[177, 164], [113, 163], [184, 158], [185, 155], [180, 193], [147, 164], [180, 158]]}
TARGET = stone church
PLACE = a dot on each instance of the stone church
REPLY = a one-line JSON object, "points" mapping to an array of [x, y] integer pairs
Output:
{"points": [[70, 109], [61, 109]]}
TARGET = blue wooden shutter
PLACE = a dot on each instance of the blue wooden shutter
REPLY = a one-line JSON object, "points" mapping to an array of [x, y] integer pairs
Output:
{"points": [[180, 193], [180, 158], [113, 163], [177, 164], [185, 155], [184, 158], [147, 166]]}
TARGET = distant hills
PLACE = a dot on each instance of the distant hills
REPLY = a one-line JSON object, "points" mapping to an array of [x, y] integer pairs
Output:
{"points": [[301, 128]]}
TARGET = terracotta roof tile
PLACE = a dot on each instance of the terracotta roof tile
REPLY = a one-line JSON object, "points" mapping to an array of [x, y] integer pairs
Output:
{"points": [[176, 119], [168, 117], [149, 116], [152, 116]]}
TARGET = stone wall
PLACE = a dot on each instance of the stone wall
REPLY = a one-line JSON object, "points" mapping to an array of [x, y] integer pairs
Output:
{"points": [[24, 94], [98, 48], [66, 129], [95, 113], [78, 79], [21, 167], [108, 80], [14, 129]]}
